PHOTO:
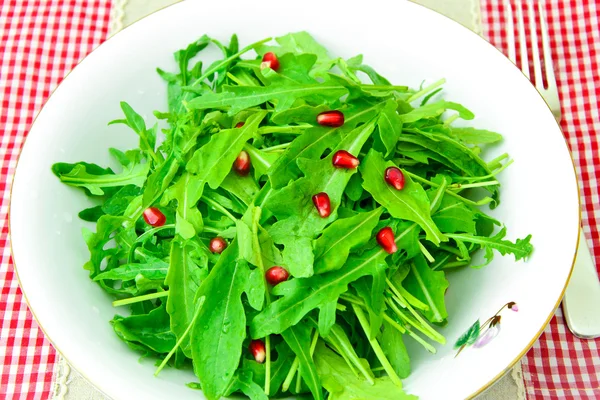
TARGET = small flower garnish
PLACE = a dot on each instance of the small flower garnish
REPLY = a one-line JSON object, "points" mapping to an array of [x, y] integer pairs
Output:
{"points": [[479, 335]]}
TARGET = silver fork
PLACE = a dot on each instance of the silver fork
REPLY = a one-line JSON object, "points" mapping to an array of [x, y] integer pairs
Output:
{"points": [[582, 296]]}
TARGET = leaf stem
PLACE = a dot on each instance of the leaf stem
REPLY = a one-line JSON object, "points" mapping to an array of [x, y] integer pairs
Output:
{"points": [[426, 90], [185, 333], [426, 252], [283, 130], [219, 208], [137, 299], [481, 202], [461, 186], [376, 347], [277, 147], [398, 88]]}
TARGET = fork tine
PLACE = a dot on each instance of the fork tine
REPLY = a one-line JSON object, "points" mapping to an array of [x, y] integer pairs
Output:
{"points": [[537, 67], [522, 40], [550, 78], [510, 27]]}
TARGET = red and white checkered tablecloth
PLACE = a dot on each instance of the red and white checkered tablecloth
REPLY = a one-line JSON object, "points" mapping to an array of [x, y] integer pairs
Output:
{"points": [[560, 366], [40, 41]]}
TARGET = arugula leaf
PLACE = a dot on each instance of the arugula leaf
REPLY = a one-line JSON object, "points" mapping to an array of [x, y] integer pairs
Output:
{"points": [[390, 127], [91, 214], [154, 269], [239, 98], [371, 290], [475, 136], [341, 383], [137, 124], [183, 278], [243, 382], [454, 216], [434, 110], [393, 347], [218, 333], [410, 203], [96, 242], [302, 295], [148, 332], [96, 180], [429, 287], [222, 149], [298, 338], [187, 191], [520, 249], [342, 237]]}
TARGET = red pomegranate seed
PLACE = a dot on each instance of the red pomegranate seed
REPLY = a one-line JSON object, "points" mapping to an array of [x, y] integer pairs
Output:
{"points": [[242, 163], [343, 159], [257, 348], [385, 238], [323, 204], [239, 124], [331, 118], [394, 177], [276, 275], [270, 60], [154, 217], [217, 245]]}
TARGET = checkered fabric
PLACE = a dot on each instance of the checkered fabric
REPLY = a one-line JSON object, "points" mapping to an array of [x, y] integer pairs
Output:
{"points": [[560, 366], [40, 42]]}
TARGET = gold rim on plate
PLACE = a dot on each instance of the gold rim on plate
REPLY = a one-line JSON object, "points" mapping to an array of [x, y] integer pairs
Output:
{"points": [[471, 396]]}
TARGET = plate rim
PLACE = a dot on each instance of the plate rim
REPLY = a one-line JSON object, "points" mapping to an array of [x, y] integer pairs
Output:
{"points": [[482, 389]]}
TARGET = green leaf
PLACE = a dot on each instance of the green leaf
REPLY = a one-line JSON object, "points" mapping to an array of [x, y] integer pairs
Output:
{"points": [[118, 202], [137, 124], [355, 64], [183, 278], [342, 237], [95, 179], [302, 113], [154, 269], [521, 248], [299, 222], [393, 347], [436, 109], [342, 384], [219, 331], [187, 191], [429, 287], [244, 383], [469, 337], [298, 338], [261, 160], [371, 290], [91, 214], [212, 162], [410, 203], [475, 136], [302, 295], [96, 242], [160, 180], [239, 98], [454, 216], [390, 127], [148, 332]]}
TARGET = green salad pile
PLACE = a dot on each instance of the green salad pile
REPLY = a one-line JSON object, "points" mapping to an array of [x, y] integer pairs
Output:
{"points": [[295, 224]]}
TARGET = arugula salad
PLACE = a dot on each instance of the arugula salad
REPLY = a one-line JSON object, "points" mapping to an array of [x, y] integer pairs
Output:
{"points": [[293, 225]]}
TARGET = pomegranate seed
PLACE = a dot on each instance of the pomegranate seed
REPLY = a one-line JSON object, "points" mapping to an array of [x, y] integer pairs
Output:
{"points": [[257, 348], [217, 245], [239, 124], [323, 204], [394, 177], [343, 159], [242, 163], [276, 275], [270, 60], [331, 118], [154, 217], [385, 238]]}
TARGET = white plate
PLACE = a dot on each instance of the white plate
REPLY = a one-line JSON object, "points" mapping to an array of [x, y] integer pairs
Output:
{"points": [[406, 43]]}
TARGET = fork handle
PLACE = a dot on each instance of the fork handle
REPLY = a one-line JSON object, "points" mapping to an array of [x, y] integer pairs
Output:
{"points": [[582, 296]]}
